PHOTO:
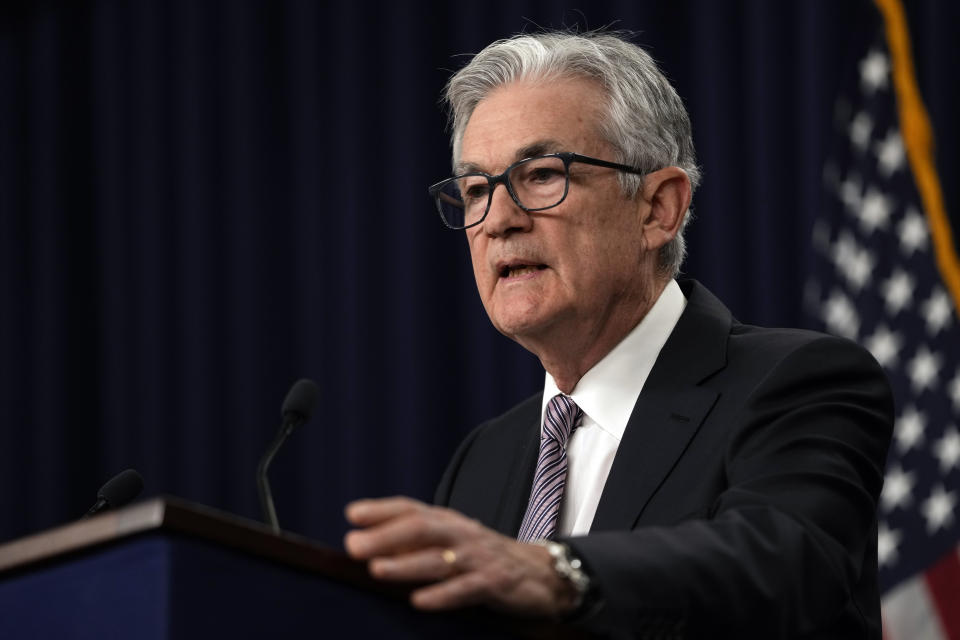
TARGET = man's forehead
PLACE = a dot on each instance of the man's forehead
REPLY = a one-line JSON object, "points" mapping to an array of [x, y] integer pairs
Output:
{"points": [[531, 117]]}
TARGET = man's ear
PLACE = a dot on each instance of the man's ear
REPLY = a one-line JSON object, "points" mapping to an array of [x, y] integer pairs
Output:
{"points": [[667, 193]]}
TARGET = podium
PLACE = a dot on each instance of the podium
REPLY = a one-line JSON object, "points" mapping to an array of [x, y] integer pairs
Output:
{"points": [[166, 568]]}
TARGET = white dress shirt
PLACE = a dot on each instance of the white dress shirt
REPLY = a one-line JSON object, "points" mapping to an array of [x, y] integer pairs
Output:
{"points": [[606, 394]]}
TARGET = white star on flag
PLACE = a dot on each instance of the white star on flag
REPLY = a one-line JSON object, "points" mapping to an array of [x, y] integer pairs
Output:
{"points": [[874, 71], [875, 210], [851, 193], [908, 429], [843, 248], [840, 315], [885, 345], [897, 488], [852, 261], [897, 291], [860, 128], [923, 369], [890, 154], [887, 542], [937, 310], [947, 450], [913, 232], [938, 508]]}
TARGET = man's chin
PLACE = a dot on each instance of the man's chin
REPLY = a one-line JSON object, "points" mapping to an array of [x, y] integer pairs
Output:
{"points": [[523, 328]]}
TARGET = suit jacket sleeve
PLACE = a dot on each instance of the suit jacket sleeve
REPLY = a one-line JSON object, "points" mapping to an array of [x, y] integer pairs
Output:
{"points": [[782, 549]]}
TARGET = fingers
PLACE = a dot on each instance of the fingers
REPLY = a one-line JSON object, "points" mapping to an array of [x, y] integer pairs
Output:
{"points": [[365, 513], [517, 578], [463, 590], [400, 525], [425, 565], [455, 583], [467, 564]]}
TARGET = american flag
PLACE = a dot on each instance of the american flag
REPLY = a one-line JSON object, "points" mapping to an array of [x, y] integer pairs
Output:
{"points": [[882, 258]]}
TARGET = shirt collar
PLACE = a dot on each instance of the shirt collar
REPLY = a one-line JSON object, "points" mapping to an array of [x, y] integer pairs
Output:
{"points": [[608, 392]]}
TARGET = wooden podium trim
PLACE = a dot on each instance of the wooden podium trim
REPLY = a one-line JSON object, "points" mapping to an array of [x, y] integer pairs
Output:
{"points": [[173, 515]]}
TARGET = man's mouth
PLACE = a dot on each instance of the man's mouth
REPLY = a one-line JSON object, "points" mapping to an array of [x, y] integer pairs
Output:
{"points": [[518, 270]]}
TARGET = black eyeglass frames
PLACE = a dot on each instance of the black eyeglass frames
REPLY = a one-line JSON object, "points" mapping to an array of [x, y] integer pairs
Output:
{"points": [[535, 184]]}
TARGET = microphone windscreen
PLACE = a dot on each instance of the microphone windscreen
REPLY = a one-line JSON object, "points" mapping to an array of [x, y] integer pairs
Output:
{"points": [[300, 400], [122, 488]]}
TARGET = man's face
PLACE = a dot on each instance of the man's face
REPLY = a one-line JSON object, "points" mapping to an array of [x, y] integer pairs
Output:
{"points": [[567, 273]]}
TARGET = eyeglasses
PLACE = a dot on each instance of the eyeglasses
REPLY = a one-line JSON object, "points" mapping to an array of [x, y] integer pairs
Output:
{"points": [[534, 184]]}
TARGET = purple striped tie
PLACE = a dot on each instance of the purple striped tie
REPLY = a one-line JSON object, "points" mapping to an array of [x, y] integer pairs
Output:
{"points": [[543, 510]]}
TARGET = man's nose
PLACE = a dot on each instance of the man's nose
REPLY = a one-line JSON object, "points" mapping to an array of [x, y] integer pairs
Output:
{"points": [[505, 215]]}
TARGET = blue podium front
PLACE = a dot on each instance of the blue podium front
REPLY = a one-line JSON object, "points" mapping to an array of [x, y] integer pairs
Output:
{"points": [[190, 579]]}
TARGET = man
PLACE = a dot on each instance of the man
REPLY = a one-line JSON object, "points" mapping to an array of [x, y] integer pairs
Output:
{"points": [[720, 479]]}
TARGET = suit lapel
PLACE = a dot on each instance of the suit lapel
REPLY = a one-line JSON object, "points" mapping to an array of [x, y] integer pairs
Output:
{"points": [[668, 412], [516, 490]]}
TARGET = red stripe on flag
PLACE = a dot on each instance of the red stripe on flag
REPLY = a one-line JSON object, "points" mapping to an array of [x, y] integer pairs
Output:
{"points": [[943, 583]]}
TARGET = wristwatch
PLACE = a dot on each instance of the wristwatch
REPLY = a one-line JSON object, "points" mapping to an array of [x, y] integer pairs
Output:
{"points": [[570, 568]]}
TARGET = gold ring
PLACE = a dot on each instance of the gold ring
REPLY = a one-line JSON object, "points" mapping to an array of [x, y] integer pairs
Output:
{"points": [[449, 556]]}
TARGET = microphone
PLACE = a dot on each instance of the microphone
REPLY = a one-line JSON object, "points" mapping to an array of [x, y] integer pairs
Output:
{"points": [[118, 491], [296, 411]]}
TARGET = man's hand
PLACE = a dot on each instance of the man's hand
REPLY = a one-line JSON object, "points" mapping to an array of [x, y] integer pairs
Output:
{"points": [[467, 564]]}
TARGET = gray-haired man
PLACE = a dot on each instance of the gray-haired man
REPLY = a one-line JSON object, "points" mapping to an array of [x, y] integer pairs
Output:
{"points": [[680, 472]]}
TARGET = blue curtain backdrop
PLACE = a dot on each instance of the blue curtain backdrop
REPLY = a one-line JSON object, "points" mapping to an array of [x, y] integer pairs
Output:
{"points": [[201, 202]]}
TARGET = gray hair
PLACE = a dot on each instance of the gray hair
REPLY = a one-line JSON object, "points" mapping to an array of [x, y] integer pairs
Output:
{"points": [[646, 122]]}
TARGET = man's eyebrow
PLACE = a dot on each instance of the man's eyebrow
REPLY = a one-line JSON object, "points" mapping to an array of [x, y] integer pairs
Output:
{"points": [[537, 148], [467, 167]]}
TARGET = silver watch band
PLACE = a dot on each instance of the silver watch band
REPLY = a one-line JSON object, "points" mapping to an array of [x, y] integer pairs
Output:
{"points": [[568, 567]]}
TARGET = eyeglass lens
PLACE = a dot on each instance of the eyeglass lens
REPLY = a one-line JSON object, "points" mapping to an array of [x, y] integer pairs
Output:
{"points": [[537, 183]]}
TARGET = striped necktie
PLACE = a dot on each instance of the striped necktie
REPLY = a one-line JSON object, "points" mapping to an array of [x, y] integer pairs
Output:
{"points": [[540, 521]]}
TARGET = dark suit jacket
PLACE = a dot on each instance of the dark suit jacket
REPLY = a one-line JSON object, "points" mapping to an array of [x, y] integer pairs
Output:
{"points": [[741, 502]]}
